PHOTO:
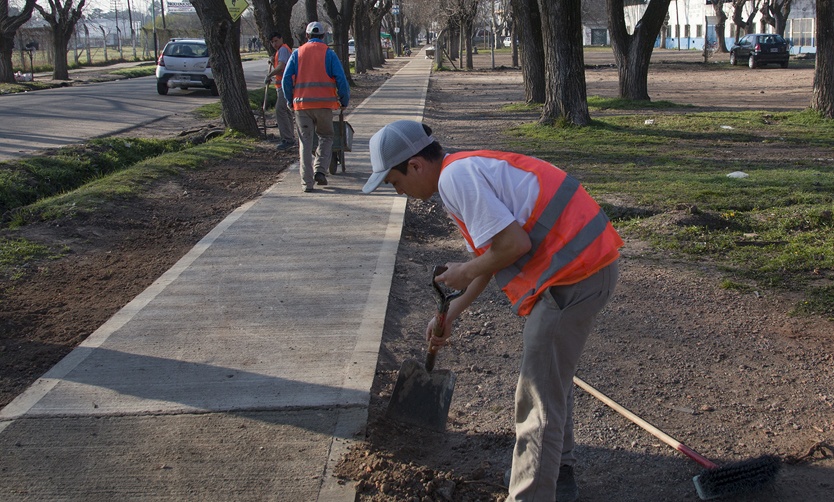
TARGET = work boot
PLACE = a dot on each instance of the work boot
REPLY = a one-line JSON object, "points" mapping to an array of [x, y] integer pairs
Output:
{"points": [[566, 488], [321, 179]]}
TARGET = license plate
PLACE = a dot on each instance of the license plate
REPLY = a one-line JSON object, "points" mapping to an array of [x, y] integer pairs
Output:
{"points": [[775, 49]]}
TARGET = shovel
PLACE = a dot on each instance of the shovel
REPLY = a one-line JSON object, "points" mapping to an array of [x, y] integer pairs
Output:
{"points": [[266, 95], [422, 396]]}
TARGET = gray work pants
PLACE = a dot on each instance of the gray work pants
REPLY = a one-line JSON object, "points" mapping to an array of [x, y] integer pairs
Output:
{"points": [[554, 336], [283, 118], [318, 121]]}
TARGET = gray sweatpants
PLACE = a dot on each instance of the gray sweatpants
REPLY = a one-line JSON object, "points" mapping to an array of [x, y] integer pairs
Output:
{"points": [[554, 336]]}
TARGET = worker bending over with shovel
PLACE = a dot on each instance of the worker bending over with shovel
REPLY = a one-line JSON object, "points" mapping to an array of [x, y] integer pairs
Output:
{"points": [[552, 251]]}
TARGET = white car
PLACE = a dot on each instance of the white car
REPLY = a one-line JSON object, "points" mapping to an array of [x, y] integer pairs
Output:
{"points": [[184, 63], [508, 42], [351, 47]]}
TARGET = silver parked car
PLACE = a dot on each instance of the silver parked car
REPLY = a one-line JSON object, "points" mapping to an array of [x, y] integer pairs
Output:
{"points": [[184, 63]]}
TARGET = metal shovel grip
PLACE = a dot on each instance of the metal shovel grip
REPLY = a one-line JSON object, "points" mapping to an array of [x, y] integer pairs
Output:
{"points": [[443, 298]]}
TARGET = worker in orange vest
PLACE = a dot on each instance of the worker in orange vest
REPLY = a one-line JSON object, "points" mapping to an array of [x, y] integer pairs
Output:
{"points": [[315, 83], [553, 252], [283, 113]]}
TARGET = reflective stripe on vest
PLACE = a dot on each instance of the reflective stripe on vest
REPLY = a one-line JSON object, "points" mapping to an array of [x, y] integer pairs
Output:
{"points": [[562, 252], [275, 64], [312, 87]]}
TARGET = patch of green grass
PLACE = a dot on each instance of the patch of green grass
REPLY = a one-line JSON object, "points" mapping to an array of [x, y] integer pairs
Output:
{"points": [[24, 87], [256, 102], [130, 181], [817, 302], [16, 253], [735, 286], [522, 107], [663, 178], [24, 181], [137, 71], [600, 103]]}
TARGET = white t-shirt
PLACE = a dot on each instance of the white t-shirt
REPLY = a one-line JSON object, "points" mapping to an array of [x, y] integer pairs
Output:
{"points": [[487, 195]]}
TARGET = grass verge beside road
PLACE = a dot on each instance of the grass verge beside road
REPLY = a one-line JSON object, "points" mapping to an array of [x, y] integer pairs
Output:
{"points": [[83, 179], [663, 177]]}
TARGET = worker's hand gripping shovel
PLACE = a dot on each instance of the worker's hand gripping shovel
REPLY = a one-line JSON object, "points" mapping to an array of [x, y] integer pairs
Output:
{"points": [[443, 301], [421, 395]]}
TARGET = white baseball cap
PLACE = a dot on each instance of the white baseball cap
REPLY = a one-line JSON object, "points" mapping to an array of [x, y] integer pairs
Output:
{"points": [[315, 28], [392, 145]]}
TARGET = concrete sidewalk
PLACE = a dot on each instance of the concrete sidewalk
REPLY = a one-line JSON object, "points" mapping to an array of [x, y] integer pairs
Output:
{"points": [[244, 371]]}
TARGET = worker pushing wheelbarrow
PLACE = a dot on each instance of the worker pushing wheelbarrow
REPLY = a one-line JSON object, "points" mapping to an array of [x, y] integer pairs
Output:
{"points": [[342, 142]]}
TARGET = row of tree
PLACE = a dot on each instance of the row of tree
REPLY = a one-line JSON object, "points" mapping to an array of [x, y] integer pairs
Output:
{"points": [[549, 32], [551, 46]]}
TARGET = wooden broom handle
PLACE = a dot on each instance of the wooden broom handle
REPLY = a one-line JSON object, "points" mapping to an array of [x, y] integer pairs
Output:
{"points": [[654, 431]]}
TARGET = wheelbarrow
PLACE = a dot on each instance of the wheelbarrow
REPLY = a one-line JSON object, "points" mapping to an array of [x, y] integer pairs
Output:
{"points": [[342, 142]]}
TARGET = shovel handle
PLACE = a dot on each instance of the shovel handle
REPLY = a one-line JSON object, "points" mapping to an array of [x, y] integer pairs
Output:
{"points": [[431, 354]]}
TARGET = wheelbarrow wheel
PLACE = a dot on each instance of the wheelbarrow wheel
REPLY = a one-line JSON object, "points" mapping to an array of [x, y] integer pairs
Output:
{"points": [[334, 159], [342, 159]]}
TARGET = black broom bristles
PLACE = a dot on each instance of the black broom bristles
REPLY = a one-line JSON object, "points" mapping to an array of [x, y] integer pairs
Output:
{"points": [[744, 476]]}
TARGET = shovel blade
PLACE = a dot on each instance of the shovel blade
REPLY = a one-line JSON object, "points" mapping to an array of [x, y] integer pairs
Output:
{"points": [[420, 397]]}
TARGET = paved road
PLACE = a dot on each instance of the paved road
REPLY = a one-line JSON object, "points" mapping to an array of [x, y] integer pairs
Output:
{"points": [[244, 372], [52, 118]]}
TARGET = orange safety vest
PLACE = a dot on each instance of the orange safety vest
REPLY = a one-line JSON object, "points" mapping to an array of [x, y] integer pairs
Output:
{"points": [[312, 87], [275, 64], [571, 236]]}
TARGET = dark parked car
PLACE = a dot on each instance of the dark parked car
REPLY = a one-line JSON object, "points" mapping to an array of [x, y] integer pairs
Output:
{"points": [[759, 49]]}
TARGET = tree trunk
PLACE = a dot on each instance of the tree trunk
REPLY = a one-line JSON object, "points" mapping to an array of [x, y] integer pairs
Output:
{"points": [[367, 19], [274, 16], [342, 19], [311, 10], [60, 69], [532, 50], [823, 100], [564, 63], [632, 53], [8, 29], [719, 27], [222, 38], [6, 65]]}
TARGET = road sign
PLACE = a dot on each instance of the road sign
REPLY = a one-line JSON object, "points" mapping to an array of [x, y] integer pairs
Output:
{"points": [[236, 8]]}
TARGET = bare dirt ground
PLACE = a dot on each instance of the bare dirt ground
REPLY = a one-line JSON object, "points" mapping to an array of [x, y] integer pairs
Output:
{"points": [[730, 374]]}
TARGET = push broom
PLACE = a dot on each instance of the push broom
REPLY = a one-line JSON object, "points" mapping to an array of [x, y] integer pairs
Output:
{"points": [[716, 481]]}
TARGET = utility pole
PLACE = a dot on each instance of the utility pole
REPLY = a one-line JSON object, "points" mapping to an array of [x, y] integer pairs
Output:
{"points": [[492, 29], [155, 48], [118, 29], [395, 11], [132, 29]]}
